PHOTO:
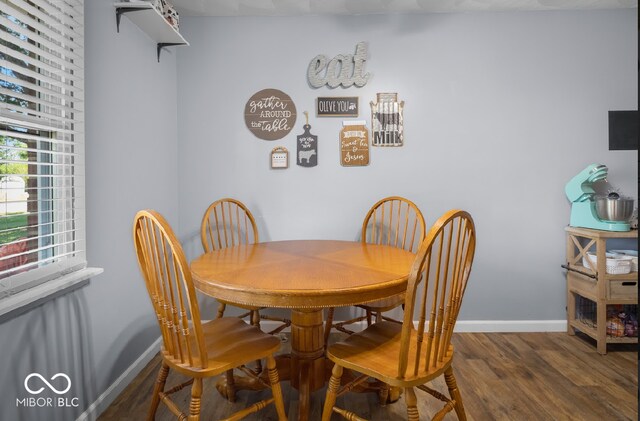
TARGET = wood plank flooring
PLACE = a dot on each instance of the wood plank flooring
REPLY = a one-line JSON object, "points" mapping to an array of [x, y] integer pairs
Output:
{"points": [[502, 376]]}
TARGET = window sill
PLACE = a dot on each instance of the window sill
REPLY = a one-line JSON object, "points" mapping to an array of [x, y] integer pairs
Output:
{"points": [[24, 301]]}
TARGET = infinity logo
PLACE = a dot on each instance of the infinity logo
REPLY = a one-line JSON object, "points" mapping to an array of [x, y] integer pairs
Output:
{"points": [[53, 389]]}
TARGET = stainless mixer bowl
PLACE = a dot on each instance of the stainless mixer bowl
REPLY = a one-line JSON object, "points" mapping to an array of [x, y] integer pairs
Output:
{"points": [[614, 210]]}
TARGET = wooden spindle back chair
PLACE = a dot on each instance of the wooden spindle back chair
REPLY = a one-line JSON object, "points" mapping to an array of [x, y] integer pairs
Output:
{"points": [[392, 221], [189, 346], [227, 223], [411, 355], [168, 280]]}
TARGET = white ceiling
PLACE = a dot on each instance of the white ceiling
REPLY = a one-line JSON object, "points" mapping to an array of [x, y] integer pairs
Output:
{"points": [[360, 7]]}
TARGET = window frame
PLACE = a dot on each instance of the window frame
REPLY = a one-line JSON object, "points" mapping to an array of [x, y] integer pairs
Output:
{"points": [[43, 279]]}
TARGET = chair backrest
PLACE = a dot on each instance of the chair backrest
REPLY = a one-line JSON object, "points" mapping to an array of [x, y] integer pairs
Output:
{"points": [[168, 280], [436, 285], [394, 221], [227, 223]]}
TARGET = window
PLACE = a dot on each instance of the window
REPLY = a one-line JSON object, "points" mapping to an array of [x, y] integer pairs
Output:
{"points": [[41, 142]]}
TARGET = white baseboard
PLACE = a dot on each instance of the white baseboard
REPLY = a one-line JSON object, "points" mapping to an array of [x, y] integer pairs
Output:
{"points": [[108, 396], [511, 326]]}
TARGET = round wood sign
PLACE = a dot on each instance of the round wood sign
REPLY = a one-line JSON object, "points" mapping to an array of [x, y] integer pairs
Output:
{"points": [[270, 114]]}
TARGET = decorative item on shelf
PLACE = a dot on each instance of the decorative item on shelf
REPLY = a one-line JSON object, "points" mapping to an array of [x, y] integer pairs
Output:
{"points": [[337, 106], [307, 151], [343, 69], [171, 15], [387, 122], [270, 114], [607, 213], [354, 144], [149, 17], [159, 5], [279, 157]]}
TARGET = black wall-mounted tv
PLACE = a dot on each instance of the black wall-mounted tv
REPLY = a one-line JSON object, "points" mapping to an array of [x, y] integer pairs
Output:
{"points": [[623, 130]]}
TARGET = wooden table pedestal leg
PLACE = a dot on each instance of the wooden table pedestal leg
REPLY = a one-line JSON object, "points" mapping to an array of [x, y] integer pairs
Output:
{"points": [[307, 356]]}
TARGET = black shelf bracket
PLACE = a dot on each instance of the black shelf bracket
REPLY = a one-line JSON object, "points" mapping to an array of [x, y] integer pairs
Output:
{"points": [[122, 10], [161, 45]]}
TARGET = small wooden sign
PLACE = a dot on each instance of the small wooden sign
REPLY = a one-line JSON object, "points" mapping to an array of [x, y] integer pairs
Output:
{"points": [[337, 106], [280, 157], [387, 122], [354, 144], [270, 114], [307, 150]]}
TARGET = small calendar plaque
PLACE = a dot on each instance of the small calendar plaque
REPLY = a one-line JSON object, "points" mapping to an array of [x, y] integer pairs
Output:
{"points": [[280, 157]]}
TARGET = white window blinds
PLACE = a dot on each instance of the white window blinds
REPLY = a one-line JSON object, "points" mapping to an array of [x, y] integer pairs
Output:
{"points": [[41, 141]]}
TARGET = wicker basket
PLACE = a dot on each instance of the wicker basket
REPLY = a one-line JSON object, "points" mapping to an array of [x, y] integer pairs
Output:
{"points": [[631, 253], [616, 264], [586, 312]]}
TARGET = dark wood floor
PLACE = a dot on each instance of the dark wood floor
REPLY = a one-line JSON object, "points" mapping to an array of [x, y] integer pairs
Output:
{"points": [[502, 376]]}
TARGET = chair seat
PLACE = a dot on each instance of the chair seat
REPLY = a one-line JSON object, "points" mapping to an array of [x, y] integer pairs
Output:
{"points": [[375, 351], [385, 304], [230, 342]]}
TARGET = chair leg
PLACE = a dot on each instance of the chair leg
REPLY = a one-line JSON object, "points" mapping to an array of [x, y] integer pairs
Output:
{"points": [[383, 394], [454, 392], [221, 308], [231, 386], [328, 323], [412, 404], [332, 392], [276, 389], [194, 406], [157, 388], [255, 321]]}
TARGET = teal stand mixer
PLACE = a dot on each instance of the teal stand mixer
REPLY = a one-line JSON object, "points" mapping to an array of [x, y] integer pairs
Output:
{"points": [[582, 197]]}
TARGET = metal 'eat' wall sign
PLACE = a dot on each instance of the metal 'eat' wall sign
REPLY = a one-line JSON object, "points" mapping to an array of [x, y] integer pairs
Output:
{"points": [[344, 69]]}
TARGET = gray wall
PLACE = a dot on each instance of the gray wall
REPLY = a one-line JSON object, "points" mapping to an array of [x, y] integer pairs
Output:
{"points": [[94, 333], [501, 110]]}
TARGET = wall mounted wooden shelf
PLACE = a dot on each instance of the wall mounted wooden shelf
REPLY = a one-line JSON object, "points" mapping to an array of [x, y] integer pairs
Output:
{"points": [[147, 18]]}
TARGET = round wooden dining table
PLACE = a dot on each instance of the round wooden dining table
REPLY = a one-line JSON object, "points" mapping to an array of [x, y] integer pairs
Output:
{"points": [[304, 276]]}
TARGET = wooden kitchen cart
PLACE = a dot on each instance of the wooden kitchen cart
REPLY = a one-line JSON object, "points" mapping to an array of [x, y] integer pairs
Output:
{"points": [[593, 283]]}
